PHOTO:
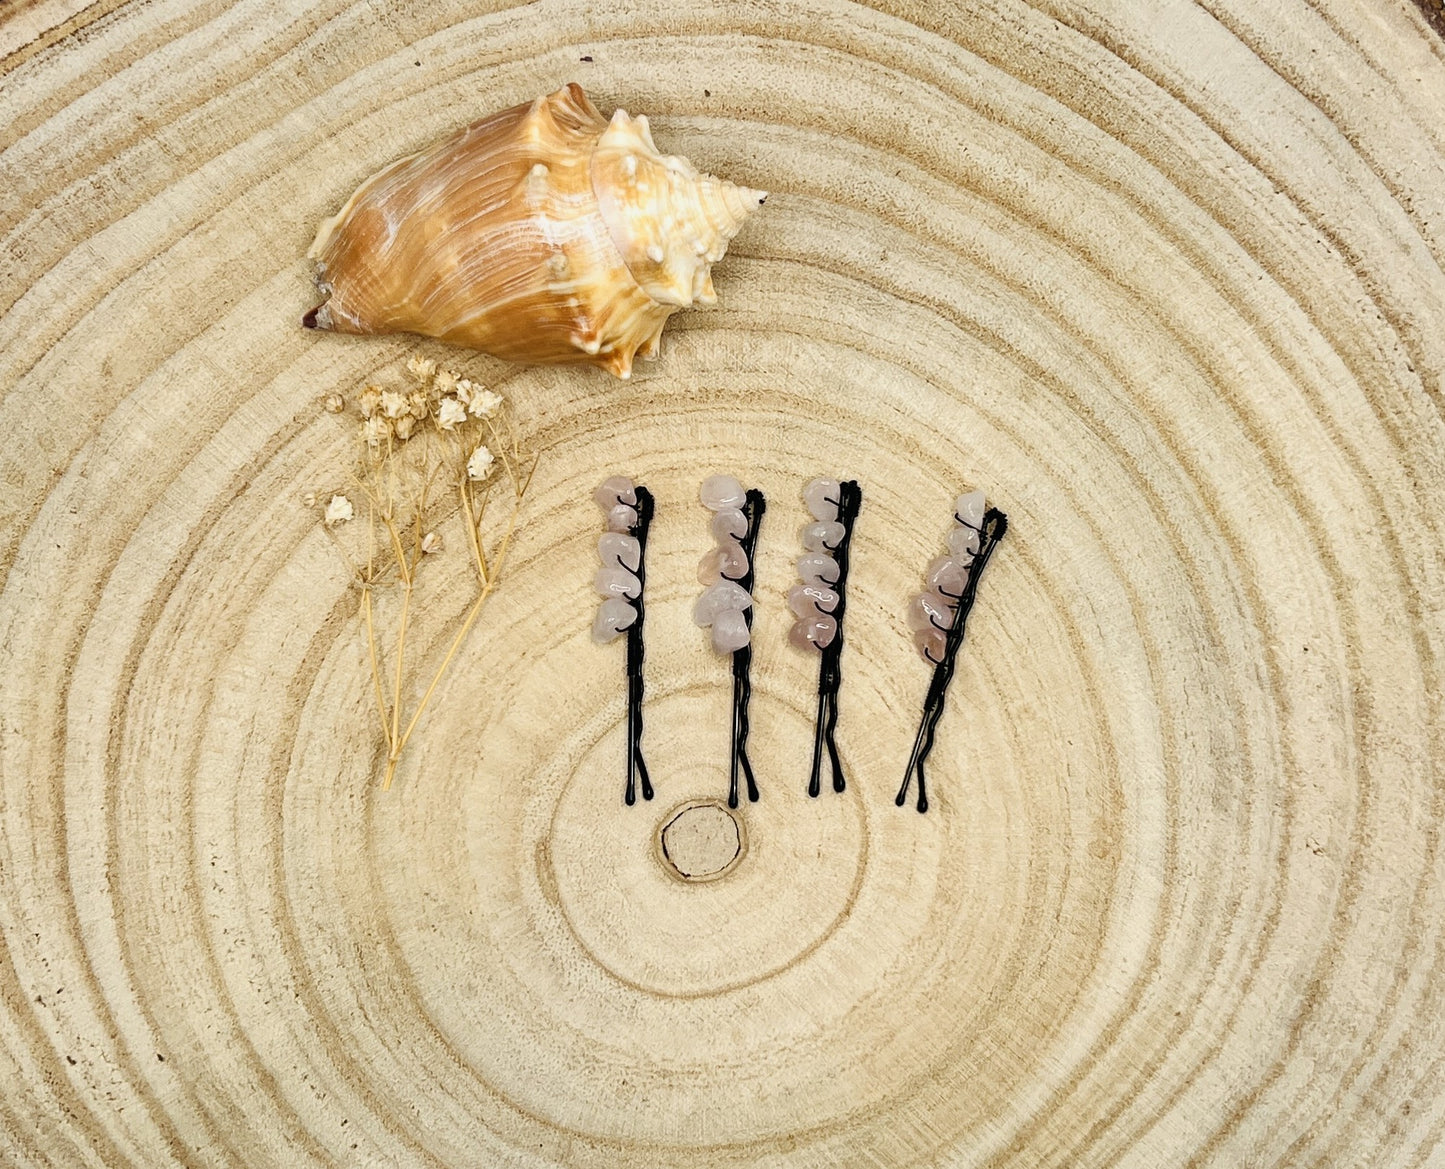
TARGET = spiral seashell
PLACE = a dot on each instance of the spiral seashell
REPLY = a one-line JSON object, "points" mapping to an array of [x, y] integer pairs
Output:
{"points": [[542, 234]]}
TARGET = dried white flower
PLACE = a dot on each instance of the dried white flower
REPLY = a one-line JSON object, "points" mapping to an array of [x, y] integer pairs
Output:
{"points": [[393, 404], [479, 466], [450, 413], [484, 403], [422, 368], [464, 389], [404, 426], [370, 401], [377, 430], [334, 403], [445, 382], [419, 404], [431, 542], [338, 511]]}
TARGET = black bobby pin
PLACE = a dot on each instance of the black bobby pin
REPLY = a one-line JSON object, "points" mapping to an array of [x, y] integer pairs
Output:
{"points": [[623, 551], [743, 660], [990, 532], [636, 768], [830, 666]]}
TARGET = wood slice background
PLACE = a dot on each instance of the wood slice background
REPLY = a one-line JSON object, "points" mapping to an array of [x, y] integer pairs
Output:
{"points": [[1164, 278]]}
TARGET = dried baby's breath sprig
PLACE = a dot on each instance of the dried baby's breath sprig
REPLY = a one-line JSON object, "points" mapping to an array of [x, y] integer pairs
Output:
{"points": [[479, 466], [484, 403], [450, 413], [394, 404], [338, 511], [426, 461]]}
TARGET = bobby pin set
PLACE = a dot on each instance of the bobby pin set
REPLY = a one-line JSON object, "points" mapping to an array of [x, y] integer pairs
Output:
{"points": [[725, 608]]}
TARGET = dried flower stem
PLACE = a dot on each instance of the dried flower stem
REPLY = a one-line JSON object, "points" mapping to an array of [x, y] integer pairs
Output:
{"points": [[399, 471]]}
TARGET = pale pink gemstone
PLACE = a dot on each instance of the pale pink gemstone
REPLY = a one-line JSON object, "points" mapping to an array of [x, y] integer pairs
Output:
{"points": [[709, 568], [621, 518], [962, 543], [931, 643], [733, 562], [816, 631], [619, 549], [946, 576], [722, 597], [729, 524], [809, 600], [615, 490], [929, 610], [821, 496], [730, 632], [822, 535], [722, 491], [616, 582], [728, 562], [817, 568], [970, 508], [613, 616]]}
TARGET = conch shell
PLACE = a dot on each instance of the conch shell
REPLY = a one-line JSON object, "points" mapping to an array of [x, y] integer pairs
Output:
{"points": [[542, 234]]}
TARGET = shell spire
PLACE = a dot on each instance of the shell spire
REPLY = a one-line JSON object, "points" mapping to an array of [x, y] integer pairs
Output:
{"points": [[670, 222], [543, 234]]}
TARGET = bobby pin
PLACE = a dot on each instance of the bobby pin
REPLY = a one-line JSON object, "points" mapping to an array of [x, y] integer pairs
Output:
{"points": [[938, 615], [623, 549], [726, 604], [819, 602]]}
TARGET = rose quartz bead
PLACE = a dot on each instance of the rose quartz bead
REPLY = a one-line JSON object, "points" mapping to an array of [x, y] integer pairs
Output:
{"points": [[809, 600], [621, 518], [931, 643], [727, 562], [729, 524], [613, 616], [822, 535], [817, 631], [723, 597], [816, 568], [821, 496], [970, 508], [615, 490], [722, 491], [709, 568], [946, 576], [734, 563], [620, 550], [929, 610], [616, 582], [962, 543], [730, 632]]}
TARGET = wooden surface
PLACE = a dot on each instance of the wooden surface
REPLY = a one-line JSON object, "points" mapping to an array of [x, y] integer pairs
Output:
{"points": [[1164, 279]]}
